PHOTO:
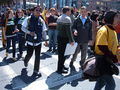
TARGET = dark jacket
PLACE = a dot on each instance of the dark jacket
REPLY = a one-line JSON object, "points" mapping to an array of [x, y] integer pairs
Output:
{"points": [[64, 27], [10, 27], [35, 25], [18, 22], [84, 31]]}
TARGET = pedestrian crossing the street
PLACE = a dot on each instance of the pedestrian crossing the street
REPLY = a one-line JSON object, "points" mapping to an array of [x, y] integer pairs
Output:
{"points": [[15, 76], [49, 77]]}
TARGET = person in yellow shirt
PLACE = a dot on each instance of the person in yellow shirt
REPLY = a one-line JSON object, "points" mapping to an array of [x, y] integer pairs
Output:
{"points": [[108, 37], [105, 47]]}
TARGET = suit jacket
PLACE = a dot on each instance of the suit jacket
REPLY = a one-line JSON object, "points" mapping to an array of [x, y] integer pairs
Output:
{"points": [[84, 31]]}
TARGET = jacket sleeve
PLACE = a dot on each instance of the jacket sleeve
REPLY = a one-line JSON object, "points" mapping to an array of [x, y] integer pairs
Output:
{"points": [[107, 52], [90, 31], [74, 26], [24, 27], [69, 32]]}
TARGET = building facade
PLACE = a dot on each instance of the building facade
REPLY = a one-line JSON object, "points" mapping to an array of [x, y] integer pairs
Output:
{"points": [[91, 4]]}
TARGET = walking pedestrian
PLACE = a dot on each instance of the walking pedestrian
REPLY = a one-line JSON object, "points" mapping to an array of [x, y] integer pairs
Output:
{"points": [[34, 26], [82, 27], [105, 51]]}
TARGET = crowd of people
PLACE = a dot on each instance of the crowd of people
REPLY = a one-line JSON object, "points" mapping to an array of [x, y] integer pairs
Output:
{"points": [[97, 34]]}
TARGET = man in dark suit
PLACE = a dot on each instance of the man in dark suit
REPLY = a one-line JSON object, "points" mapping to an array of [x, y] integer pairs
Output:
{"points": [[82, 28], [64, 36]]}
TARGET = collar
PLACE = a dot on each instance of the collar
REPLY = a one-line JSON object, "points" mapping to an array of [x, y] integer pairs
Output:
{"points": [[82, 17]]}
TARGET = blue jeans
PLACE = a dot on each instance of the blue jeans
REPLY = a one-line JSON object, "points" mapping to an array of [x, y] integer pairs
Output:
{"points": [[52, 38], [13, 41], [107, 81]]}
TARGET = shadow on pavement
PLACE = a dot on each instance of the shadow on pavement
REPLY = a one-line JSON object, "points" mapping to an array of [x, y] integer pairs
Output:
{"points": [[44, 56], [74, 83], [53, 81], [56, 81], [1, 48], [21, 81], [6, 61]]}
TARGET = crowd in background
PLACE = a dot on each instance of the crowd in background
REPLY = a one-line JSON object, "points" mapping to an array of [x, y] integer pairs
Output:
{"points": [[68, 26]]}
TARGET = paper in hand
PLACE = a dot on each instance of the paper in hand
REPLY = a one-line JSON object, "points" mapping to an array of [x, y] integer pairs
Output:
{"points": [[70, 49]]}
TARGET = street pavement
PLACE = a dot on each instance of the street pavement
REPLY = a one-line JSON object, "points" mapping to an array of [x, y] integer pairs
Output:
{"points": [[14, 76]]}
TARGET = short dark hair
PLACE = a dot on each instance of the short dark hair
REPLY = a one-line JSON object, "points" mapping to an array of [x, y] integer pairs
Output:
{"points": [[65, 9], [109, 17], [83, 7], [94, 16], [37, 7]]}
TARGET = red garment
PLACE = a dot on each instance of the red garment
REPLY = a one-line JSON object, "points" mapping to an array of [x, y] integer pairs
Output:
{"points": [[117, 28]]}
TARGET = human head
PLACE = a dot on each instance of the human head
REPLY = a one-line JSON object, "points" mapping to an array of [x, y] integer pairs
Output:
{"points": [[111, 17], [66, 10], [19, 13], [37, 10], [52, 11], [9, 14], [94, 16], [83, 11]]}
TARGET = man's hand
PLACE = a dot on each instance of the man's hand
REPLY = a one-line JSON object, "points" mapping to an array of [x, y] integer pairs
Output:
{"points": [[32, 33], [17, 30], [75, 33], [52, 24], [90, 43], [72, 43]]}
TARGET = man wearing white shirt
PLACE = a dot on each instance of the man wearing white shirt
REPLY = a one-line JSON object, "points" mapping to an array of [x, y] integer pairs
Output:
{"points": [[34, 26]]}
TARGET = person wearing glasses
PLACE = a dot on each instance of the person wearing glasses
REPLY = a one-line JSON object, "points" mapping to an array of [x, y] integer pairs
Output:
{"points": [[34, 26]]}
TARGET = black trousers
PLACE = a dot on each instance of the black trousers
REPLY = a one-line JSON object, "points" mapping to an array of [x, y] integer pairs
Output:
{"points": [[62, 42], [30, 50], [21, 43], [13, 41]]}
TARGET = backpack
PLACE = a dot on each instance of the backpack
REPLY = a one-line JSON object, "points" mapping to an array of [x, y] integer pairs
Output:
{"points": [[89, 69]]}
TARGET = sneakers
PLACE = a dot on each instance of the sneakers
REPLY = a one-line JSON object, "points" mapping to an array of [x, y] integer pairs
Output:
{"points": [[36, 74]]}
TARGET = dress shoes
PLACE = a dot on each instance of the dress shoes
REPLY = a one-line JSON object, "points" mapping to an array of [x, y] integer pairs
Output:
{"points": [[63, 71], [25, 64], [65, 68], [36, 74]]}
